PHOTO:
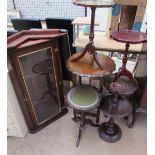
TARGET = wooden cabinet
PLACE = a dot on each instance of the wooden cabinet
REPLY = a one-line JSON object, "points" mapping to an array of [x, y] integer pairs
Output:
{"points": [[35, 70]]}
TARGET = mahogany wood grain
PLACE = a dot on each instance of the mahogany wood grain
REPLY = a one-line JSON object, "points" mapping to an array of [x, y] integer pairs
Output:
{"points": [[23, 36], [85, 66], [130, 36]]}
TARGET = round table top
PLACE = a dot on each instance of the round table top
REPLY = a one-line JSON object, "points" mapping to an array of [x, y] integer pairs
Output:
{"points": [[94, 3], [122, 109], [43, 67], [130, 36], [85, 67]]}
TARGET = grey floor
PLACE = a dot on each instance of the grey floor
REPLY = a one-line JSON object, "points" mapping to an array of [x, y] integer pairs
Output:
{"points": [[59, 139]]}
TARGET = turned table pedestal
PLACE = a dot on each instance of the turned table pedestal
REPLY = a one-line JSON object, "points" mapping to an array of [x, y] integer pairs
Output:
{"points": [[90, 47], [128, 37]]}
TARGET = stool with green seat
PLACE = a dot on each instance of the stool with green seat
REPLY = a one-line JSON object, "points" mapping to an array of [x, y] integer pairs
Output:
{"points": [[83, 98]]}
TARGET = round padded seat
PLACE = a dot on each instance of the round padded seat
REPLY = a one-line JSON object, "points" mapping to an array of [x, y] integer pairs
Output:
{"points": [[83, 97]]}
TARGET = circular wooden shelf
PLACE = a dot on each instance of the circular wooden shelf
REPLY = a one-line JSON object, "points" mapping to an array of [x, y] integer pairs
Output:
{"points": [[94, 3], [122, 109], [85, 67], [130, 36]]}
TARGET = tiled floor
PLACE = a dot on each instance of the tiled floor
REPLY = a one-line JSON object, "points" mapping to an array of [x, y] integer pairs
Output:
{"points": [[59, 139]]}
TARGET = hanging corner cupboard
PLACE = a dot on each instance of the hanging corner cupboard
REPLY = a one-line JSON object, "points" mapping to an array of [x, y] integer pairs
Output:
{"points": [[35, 69]]}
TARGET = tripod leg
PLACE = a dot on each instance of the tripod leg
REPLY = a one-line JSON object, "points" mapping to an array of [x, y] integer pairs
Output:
{"points": [[130, 120], [82, 54], [96, 60], [75, 115], [80, 128], [98, 115], [123, 72]]}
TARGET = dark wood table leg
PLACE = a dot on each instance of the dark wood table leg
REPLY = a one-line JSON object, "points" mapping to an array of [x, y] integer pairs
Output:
{"points": [[80, 80], [109, 131], [98, 115], [90, 48], [74, 79], [122, 71], [82, 122], [75, 118], [130, 119]]}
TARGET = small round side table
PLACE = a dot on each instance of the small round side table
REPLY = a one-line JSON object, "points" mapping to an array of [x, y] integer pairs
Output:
{"points": [[128, 37]]}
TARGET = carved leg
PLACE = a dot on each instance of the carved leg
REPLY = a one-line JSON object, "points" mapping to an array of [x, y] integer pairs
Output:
{"points": [[130, 120], [101, 83], [98, 115], [96, 60], [80, 80], [123, 72], [80, 128], [74, 112], [75, 119], [82, 53], [74, 79]]}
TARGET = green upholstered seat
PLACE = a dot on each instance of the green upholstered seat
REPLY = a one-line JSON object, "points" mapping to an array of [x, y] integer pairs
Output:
{"points": [[83, 97]]}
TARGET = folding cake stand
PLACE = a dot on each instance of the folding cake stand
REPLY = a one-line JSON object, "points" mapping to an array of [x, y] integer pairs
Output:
{"points": [[116, 106]]}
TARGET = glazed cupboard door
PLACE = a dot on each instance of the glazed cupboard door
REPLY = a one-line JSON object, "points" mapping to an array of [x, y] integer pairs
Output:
{"points": [[40, 81]]}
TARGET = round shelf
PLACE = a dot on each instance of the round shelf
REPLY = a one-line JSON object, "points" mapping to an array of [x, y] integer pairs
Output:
{"points": [[122, 109], [94, 3], [130, 36], [85, 67]]}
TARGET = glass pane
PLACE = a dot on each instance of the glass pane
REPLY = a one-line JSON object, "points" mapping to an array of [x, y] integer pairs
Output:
{"points": [[38, 74]]}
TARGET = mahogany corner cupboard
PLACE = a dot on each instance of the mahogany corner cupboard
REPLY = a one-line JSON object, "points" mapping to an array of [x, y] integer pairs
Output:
{"points": [[35, 68]]}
